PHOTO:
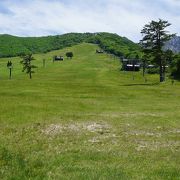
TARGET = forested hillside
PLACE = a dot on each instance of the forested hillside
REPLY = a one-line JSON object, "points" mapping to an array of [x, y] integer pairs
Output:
{"points": [[115, 44], [112, 43], [14, 46]]}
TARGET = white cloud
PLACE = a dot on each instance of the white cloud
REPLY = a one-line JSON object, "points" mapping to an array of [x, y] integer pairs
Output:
{"points": [[46, 17]]}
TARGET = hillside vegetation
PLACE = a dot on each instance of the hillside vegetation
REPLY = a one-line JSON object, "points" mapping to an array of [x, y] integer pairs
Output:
{"points": [[112, 43], [85, 119]]}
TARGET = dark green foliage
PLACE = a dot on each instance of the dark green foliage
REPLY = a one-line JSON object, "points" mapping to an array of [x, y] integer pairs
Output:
{"points": [[175, 67], [9, 64], [111, 43], [27, 66], [115, 44], [69, 54], [155, 37]]}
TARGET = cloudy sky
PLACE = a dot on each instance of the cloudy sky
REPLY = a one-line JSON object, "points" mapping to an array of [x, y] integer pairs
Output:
{"points": [[49, 17]]}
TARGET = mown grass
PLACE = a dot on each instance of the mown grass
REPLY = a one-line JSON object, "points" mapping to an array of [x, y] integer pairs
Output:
{"points": [[85, 119]]}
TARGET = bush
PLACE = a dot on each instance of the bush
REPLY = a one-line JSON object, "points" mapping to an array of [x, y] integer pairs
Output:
{"points": [[69, 54]]}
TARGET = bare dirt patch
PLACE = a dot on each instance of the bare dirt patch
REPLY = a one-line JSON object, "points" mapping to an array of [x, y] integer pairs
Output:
{"points": [[54, 129], [105, 138], [97, 127], [144, 133]]}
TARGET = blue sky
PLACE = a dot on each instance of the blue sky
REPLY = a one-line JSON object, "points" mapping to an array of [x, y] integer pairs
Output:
{"points": [[49, 17]]}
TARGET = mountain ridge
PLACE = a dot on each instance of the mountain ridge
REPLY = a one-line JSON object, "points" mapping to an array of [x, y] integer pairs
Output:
{"points": [[11, 45], [173, 44]]}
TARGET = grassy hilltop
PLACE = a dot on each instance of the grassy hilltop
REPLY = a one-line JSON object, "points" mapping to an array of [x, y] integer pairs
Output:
{"points": [[85, 119]]}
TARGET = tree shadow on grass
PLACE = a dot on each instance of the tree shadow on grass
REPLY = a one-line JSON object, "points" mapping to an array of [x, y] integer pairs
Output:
{"points": [[141, 84]]}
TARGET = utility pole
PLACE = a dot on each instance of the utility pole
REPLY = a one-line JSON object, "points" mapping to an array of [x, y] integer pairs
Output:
{"points": [[44, 63]]}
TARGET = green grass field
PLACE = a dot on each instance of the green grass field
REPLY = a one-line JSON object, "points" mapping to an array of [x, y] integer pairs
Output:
{"points": [[85, 119]]}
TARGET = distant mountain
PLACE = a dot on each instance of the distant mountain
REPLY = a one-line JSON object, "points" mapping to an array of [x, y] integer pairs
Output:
{"points": [[112, 43], [173, 44]]}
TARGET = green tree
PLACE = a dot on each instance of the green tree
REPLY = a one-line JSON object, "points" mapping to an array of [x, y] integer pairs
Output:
{"points": [[27, 66], [9, 66], [168, 57], [154, 38], [175, 67]]}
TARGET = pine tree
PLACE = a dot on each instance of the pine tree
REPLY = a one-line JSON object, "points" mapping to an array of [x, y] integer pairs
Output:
{"points": [[27, 66], [153, 42]]}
